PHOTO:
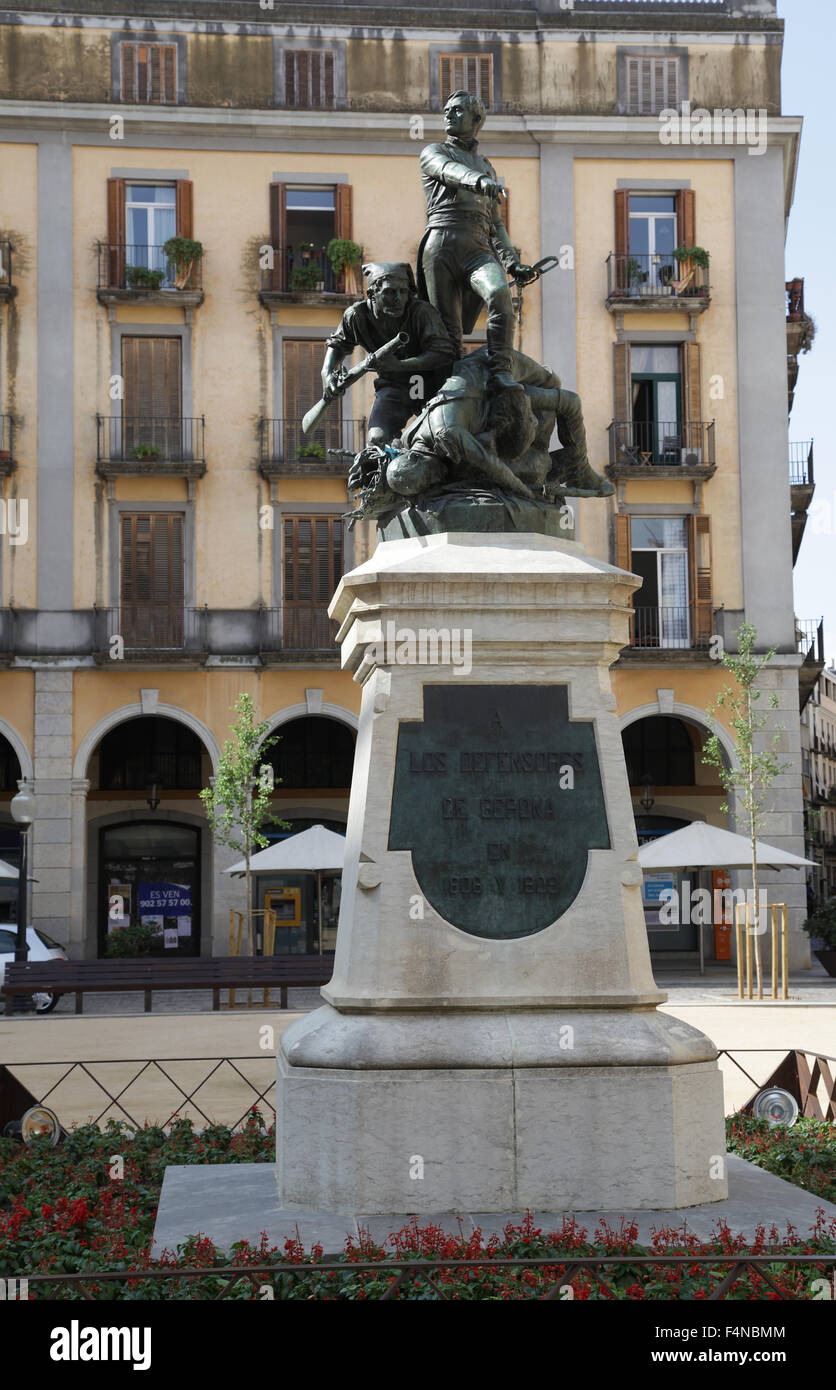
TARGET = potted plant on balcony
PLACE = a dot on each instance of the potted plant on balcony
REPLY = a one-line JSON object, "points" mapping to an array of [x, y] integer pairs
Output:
{"points": [[306, 250], [185, 254], [345, 257], [139, 277], [145, 452], [311, 451], [306, 277], [689, 259], [634, 276], [822, 925]]}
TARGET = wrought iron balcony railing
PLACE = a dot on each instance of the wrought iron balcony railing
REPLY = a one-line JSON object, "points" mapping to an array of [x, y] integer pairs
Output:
{"points": [[282, 441], [682, 627], [150, 626], [300, 270], [655, 276], [148, 439], [298, 627], [138, 266], [801, 463], [809, 639], [662, 444]]}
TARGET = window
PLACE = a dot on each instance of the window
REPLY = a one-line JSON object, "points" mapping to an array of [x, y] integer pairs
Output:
{"points": [[468, 72], [149, 73], [140, 219], [659, 553], [308, 78], [672, 556], [652, 85], [659, 747], [150, 748], [313, 565], [302, 387], [653, 237], [313, 752], [152, 572], [151, 408], [303, 219], [153, 867], [656, 387], [649, 227], [150, 219]]}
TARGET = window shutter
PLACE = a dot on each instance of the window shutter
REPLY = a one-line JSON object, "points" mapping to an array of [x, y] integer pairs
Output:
{"points": [[169, 62], [471, 72], [129, 72], [152, 404], [622, 237], [686, 222], [152, 579], [302, 367], [699, 564], [692, 395], [184, 206], [342, 221], [116, 232], [623, 406], [313, 563], [623, 558], [278, 227]]}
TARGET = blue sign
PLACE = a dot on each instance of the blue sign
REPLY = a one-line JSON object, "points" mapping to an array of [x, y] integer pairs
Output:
{"points": [[164, 898]]}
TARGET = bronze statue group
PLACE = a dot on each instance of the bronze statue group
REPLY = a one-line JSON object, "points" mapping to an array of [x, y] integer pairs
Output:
{"points": [[442, 420]]}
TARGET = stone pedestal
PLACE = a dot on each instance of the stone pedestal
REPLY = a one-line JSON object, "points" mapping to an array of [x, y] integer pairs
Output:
{"points": [[491, 1039]]}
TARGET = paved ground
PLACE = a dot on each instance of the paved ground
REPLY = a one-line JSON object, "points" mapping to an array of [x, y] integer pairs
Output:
{"points": [[230, 1202], [184, 1026]]}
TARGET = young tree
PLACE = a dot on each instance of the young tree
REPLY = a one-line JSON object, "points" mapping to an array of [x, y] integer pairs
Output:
{"points": [[238, 803], [759, 767]]}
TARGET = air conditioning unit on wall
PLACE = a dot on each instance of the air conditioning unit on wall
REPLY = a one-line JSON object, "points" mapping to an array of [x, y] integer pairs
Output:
{"points": [[690, 458]]}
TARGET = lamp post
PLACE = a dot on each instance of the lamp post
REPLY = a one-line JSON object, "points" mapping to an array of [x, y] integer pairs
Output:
{"points": [[22, 808]]}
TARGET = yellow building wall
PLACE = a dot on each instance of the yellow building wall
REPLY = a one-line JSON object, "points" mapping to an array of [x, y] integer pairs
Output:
{"points": [[17, 704], [712, 180], [208, 695], [232, 359], [18, 358]]}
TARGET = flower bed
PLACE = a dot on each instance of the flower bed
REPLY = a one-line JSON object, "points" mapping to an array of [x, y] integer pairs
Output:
{"points": [[67, 1210]]}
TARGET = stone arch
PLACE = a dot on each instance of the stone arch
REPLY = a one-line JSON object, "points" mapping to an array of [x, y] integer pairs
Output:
{"points": [[678, 710], [11, 735], [94, 736], [303, 711]]}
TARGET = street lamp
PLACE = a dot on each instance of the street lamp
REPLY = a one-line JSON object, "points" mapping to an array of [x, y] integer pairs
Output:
{"points": [[152, 791], [647, 801], [23, 808]]}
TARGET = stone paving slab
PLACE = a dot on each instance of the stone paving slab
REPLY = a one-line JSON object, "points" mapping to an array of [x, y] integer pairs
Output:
{"points": [[235, 1201]]}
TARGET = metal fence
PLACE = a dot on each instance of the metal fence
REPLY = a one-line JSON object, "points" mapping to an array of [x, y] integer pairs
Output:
{"points": [[662, 443], [147, 439], [801, 463]]}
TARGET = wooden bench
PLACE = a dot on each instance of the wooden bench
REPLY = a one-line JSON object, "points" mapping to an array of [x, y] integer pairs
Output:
{"points": [[150, 973]]}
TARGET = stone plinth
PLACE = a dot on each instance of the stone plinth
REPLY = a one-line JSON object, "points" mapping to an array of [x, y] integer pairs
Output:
{"points": [[490, 1038]]}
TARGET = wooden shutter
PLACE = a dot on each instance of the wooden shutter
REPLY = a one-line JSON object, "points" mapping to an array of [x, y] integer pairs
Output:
{"points": [[302, 388], [343, 221], [309, 78], [622, 396], [184, 207], [691, 394], [116, 233], [686, 220], [152, 579], [471, 72], [622, 222], [313, 564], [699, 567], [623, 556], [129, 72], [151, 409], [278, 235]]}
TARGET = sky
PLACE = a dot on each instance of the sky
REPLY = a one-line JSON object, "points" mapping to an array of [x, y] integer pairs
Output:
{"points": [[808, 82]]}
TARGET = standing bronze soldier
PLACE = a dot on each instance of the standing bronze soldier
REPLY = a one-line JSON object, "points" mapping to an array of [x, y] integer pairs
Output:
{"points": [[459, 257]]}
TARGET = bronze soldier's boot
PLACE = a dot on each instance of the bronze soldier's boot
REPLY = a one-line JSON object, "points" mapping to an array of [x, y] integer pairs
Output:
{"points": [[499, 372]]}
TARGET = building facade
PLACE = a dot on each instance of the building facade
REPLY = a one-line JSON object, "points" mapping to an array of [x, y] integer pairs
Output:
{"points": [[170, 538], [818, 740]]}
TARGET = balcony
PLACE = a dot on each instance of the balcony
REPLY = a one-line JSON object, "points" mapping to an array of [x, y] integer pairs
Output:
{"points": [[801, 330], [287, 452], [8, 289], [656, 282], [809, 641], [140, 274], [802, 487], [148, 445], [7, 450], [298, 632], [298, 276], [150, 630], [668, 629], [650, 450]]}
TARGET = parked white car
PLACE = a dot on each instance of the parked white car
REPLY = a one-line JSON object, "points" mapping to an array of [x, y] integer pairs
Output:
{"points": [[40, 947]]}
